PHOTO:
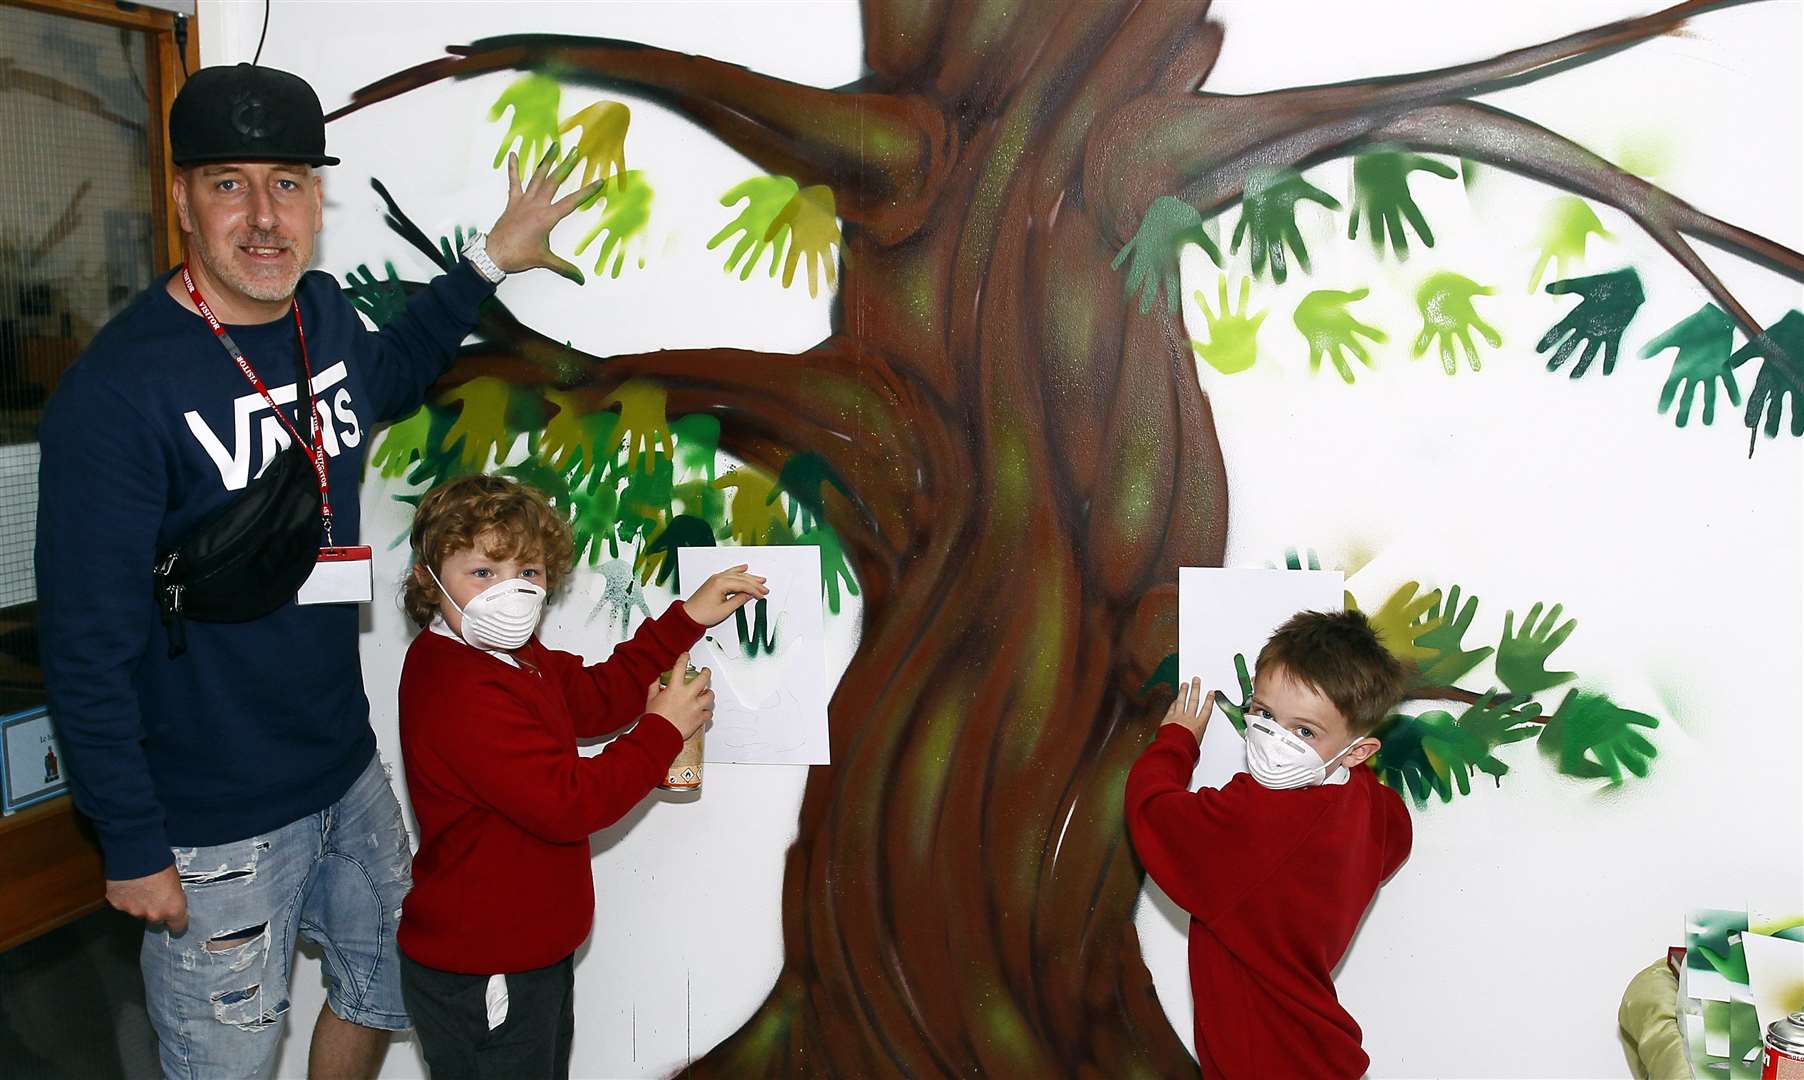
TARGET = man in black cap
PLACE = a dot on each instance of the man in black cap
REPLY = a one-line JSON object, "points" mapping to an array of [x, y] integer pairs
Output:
{"points": [[235, 787]]}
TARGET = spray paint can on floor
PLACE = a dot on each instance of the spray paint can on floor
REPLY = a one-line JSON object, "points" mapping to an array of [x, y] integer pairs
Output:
{"points": [[1783, 1058], [686, 771]]}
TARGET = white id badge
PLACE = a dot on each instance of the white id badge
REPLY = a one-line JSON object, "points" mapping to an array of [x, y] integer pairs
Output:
{"points": [[341, 576]]}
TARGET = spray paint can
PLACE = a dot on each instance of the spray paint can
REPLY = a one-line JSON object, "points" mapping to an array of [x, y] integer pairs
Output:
{"points": [[685, 772], [1783, 1058]]}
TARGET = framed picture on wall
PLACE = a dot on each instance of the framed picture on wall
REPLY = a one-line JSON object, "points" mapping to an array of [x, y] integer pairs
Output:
{"points": [[31, 762]]}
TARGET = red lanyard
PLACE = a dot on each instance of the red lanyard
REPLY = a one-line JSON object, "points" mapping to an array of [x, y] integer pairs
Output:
{"points": [[316, 453]]}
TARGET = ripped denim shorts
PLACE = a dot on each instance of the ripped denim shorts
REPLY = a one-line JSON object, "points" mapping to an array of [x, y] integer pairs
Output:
{"points": [[218, 993]]}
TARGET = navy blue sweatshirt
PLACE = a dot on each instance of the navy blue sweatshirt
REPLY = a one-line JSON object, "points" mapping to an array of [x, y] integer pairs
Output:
{"points": [[259, 723]]}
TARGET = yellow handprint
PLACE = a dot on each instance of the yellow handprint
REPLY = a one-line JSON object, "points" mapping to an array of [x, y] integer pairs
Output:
{"points": [[1401, 622], [643, 423], [602, 148], [753, 515], [627, 207], [813, 227], [481, 423]]}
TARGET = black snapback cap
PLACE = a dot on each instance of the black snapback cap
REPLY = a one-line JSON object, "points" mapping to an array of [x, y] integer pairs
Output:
{"points": [[242, 112]]}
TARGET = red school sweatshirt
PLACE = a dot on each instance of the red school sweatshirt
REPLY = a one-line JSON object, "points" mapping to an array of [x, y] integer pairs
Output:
{"points": [[1275, 883], [501, 882]]}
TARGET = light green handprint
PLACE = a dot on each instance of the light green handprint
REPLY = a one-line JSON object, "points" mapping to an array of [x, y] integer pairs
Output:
{"points": [[1451, 660], [643, 423], [602, 147], [1169, 224], [481, 426], [765, 198], [534, 101], [403, 443], [1445, 300], [1381, 189], [1329, 328], [700, 498], [1593, 738], [1403, 621], [1268, 213], [1232, 346], [1570, 222], [810, 218], [381, 300], [626, 207], [1704, 340], [1522, 658], [834, 569], [593, 521]]}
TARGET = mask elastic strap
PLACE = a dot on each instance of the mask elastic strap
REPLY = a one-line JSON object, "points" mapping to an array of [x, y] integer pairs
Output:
{"points": [[446, 593], [1328, 766]]}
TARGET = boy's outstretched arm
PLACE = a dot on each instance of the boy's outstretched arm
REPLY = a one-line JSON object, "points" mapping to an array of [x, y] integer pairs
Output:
{"points": [[1172, 828]]}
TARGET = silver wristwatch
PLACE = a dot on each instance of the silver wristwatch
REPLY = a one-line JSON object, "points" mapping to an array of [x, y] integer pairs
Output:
{"points": [[477, 251]]}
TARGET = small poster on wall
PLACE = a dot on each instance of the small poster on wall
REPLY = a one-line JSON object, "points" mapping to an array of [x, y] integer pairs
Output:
{"points": [[31, 762]]}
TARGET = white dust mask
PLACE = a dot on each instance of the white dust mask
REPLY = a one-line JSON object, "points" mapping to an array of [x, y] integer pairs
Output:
{"points": [[1280, 760], [501, 617]]}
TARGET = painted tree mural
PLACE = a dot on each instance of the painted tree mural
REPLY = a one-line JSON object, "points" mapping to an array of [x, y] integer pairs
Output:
{"points": [[1013, 453]]}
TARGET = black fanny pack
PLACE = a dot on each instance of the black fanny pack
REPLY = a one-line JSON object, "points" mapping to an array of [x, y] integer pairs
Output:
{"points": [[248, 558]]}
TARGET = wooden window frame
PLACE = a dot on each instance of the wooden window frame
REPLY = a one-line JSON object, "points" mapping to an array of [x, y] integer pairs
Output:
{"points": [[51, 871]]}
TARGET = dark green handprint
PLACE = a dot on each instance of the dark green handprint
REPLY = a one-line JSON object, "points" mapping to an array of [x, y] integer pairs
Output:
{"points": [[761, 636], [1402, 760], [803, 479], [1704, 340], [645, 500], [593, 521], [381, 300], [1608, 302], [1164, 677], [1268, 213], [1329, 328], [1236, 710], [1381, 189], [1304, 560], [834, 569], [1781, 376], [1450, 660], [1593, 738], [659, 555], [1169, 224], [1522, 658]]}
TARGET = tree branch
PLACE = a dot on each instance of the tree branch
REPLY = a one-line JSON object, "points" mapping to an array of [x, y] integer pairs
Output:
{"points": [[873, 149]]}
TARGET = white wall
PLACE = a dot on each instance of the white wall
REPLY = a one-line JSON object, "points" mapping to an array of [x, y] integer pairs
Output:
{"points": [[1502, 947]]}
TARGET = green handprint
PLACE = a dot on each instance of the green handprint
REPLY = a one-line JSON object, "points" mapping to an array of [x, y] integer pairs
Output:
{"points": [[834, 568], [1403, 621], [1522, 658], [552, 483], [1308, 560], [626, 207], [1570, 222], [381, 300], [810, 218], [1593, 738], [1232, 346], [451, 249], [700, 498], [534, 100], [1268, 212], [1236, 711], [593, 512], [481, 425], [1494, 722], [761, 636], [645, 500], [697, 443], [1329, 328], [660, 554], [1455, 748], [1381, 188], [577, 441], [1169, 224], [1704, 340], [1165, 676], [1781, 376], [403, 443], [602, 148], [1445, 300], [751, 515], [643, 424], [803, 479], [765, 197], [1450, 660], [1403, 763], [1608, 302]]}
